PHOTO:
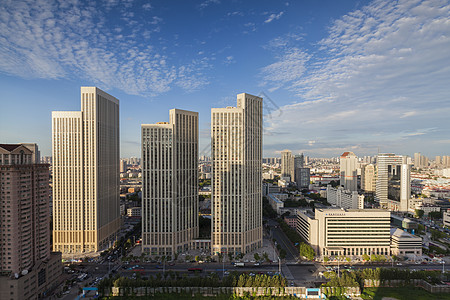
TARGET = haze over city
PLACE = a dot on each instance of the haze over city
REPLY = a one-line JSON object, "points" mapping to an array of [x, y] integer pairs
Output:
{"points": [[335, 76]]}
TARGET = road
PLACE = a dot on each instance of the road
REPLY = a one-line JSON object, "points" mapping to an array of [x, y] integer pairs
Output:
{"points": [[283, 241]]}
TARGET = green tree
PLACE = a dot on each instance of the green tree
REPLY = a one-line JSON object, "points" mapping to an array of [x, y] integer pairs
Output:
{"points": [[256, 257], [307, 251], [419, 213], [197, 258], [326, 259], [365, 257]]}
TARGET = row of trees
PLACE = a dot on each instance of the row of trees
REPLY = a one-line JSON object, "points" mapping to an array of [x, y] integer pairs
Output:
{"points": [[175, 279], [357, 277]]}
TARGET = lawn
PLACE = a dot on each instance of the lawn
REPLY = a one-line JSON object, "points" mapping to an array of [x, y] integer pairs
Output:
{"points": [[402, 293]]}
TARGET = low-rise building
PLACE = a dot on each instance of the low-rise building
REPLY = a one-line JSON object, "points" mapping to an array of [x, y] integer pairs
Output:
{"points": [[404, 243], [275, 202], [446, 218], [351, 232]]}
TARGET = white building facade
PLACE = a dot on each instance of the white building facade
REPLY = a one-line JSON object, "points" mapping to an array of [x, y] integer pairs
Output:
{"points": [[344, 198]]}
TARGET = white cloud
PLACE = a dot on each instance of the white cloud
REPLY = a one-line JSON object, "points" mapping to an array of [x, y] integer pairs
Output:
{"points": [[62, 39], [381, 73], [207, 3], [274, 17]]}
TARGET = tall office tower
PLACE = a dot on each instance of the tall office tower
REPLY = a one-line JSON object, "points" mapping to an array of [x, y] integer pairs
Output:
{"points": [[368, 178], [287, 164], [170, 180], [348, 169], [446, 161], [86, 213], [27, 268], [393, 189], [236, 149]]}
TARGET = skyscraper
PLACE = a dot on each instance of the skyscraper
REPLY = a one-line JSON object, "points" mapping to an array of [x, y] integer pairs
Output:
{"points": [[420, 161], [349, 176], [170, 180], [301, 174], [236, 150], [86, 213], [27, 268], [287, 164], [393, 188]]}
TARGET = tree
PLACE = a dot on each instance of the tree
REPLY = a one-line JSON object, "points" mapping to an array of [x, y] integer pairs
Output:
{"points": [[326, 259], [230, 256], [307, 251], [365, 257], [419, 213], [256, 257], [435, 215], [266, 257], [197, 258], [282, 254]]}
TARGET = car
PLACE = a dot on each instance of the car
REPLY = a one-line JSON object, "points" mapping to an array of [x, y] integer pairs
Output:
{"points": [[399, 264]]}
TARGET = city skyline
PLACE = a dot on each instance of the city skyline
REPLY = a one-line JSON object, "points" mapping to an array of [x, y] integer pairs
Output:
{"points": [[354, 77]]}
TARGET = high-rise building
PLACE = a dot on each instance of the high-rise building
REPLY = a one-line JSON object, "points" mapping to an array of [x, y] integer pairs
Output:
{"points": [[236, 149], [348, 169], [437, 160], [420, 161], [368, 178], [287, 165], [170, 179], [344, 198], [86, 212], [27, 268], [393, 188], [123, 166]]}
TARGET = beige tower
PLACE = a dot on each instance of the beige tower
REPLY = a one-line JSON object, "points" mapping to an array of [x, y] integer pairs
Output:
{"points": [[86, 214], [236, 150], [368, 178], [170, 179]]}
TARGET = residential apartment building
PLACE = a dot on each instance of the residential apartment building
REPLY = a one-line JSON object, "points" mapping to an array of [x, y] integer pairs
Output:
{"points": [[86, 213], [27, 267], [170, 180], [236, 150], [369, 178]]}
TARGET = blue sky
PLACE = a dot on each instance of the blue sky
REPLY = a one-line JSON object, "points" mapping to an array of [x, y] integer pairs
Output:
{"points": [[335, 75]]}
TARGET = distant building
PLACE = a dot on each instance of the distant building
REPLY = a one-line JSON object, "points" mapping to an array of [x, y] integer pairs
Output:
{"points": [[344, 198], [302, 178], [123, 166], [170, 183], [27, 267], [334, 232], [368, 178], [236, 150], [348, 170], [134, 212], [287, 165], [420, 161], [393, 189]]}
